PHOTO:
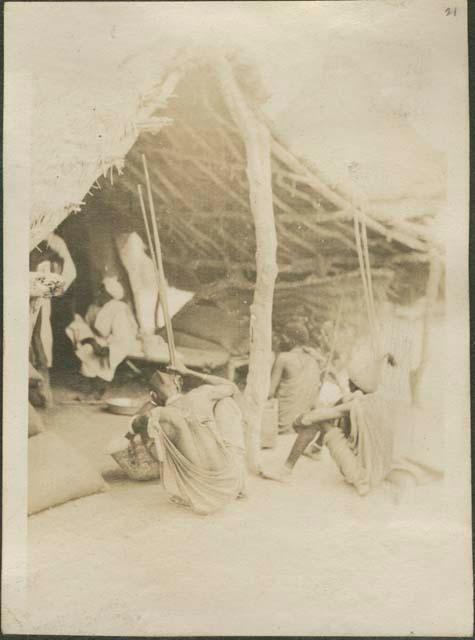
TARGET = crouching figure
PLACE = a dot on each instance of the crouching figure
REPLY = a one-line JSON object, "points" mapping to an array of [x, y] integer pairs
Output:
{"points": [[199, 439]]}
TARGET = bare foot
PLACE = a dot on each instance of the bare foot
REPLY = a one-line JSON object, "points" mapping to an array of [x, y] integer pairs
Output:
{"points": [[313, 453], [280, 474]]}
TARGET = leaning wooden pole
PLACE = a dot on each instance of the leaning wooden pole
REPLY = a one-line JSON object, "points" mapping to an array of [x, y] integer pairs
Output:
{"points": [[162, 285], [151, 248], [258, 151]]}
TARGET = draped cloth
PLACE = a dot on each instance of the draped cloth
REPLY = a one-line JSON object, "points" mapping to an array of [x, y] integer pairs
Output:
{"points": [[208, 483], [112, 325], [385, 436], [298, 392], [42, 338]]}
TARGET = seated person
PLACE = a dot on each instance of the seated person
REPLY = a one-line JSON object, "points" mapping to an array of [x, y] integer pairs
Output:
{"points": [[331, 392], [106, 335], [360, 432], [295, 378], [199, 438]]}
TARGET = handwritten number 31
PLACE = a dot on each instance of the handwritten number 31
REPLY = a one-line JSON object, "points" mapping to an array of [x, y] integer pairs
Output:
{"points": [[451, 12]]}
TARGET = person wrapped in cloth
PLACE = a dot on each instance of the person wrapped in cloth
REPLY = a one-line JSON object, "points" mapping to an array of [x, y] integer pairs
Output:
{"points": [[107, 334], [199, 439], [369, 433]]}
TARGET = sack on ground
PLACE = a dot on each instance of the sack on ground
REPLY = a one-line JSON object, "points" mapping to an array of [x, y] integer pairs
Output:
{"points": [[57, 473]]}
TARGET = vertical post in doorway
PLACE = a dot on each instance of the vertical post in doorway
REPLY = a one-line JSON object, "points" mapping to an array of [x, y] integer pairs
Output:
{"points": [[256, 138]]}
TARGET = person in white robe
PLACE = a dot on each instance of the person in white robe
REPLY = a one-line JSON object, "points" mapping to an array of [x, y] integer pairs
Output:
{"points": [[106, 335]]}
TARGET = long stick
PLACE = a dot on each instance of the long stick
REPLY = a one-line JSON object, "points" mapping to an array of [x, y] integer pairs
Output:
{"points": [[147, 227], [160, 271], [151, 247]]}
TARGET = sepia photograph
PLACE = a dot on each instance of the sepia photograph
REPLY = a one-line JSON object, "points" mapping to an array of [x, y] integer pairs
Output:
{"points": [[236, 338]]}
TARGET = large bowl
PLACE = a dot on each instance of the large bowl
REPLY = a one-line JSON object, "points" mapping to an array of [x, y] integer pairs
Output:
{"points": [[123, 406]]}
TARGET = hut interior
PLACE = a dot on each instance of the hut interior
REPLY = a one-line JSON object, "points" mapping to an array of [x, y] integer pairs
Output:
{"points": [[198, 169]]}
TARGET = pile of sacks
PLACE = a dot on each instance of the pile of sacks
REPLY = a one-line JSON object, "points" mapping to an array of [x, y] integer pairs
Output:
{"points": [[57, 472]]}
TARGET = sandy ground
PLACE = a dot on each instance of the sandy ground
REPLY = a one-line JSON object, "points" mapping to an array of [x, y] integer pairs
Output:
{"points": [[307, 558]]}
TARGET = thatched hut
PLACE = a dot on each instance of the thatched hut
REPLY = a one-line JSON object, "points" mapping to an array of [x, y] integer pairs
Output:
{"points": [[236, 204]]}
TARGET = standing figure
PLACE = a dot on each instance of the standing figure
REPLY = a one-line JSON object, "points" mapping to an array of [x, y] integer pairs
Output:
{"points": [[295, 378], [52, 256]]}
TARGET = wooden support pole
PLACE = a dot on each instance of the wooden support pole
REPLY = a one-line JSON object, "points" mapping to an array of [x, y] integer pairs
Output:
{"points": [[162, 287], [257, 142]]}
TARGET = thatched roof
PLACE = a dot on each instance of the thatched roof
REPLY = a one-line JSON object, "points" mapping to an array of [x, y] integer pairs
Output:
{"points": [[100, 100], [93, 84]]}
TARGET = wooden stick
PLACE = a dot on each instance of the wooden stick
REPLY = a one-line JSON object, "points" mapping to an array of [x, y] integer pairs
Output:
{"points": [[340, 202], [147, 227], [162, 287], [151, 247], [225, 188]]}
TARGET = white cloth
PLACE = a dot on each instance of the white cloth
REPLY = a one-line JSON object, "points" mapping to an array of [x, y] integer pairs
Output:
{"points": [[142, 278], [329, 394], [113, 287], [112, 326]]}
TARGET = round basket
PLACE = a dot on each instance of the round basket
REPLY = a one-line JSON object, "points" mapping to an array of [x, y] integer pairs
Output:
{"points": [[139, 460], [123, 406]]}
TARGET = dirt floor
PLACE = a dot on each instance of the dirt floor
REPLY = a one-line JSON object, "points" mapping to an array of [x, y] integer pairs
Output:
{"points": [[307, 558]]}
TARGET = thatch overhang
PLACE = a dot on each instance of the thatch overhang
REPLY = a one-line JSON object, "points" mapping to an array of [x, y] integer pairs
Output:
{"points": [[197, 164]]}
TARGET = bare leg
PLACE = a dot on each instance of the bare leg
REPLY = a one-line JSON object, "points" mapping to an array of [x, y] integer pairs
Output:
{"points": [[304, 438], [314, 450]]}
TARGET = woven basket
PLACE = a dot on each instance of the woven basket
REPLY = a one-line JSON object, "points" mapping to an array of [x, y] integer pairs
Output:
{"points": [[139, 460]]}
